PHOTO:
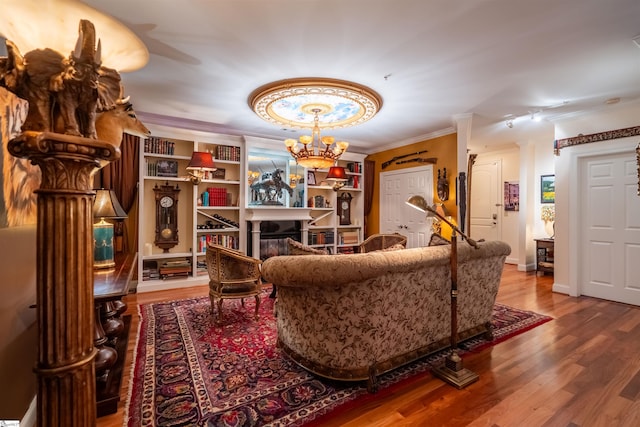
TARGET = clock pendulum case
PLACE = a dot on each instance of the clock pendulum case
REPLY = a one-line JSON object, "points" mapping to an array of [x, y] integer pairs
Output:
{"points": [[166, 216], [344, 208]]}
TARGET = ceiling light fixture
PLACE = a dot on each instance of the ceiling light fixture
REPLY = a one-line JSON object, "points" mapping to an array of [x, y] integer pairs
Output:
{"points": [[316, 104], [509, 121], [316, 152], [535, 115]]}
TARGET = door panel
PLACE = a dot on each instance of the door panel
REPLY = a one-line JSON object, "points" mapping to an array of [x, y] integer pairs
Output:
{"points": [[486, 205], [395, 215], [610, 213]]}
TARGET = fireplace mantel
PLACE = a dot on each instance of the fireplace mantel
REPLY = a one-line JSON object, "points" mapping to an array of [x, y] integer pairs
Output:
{"points": [[277, 214], [256, 215]]}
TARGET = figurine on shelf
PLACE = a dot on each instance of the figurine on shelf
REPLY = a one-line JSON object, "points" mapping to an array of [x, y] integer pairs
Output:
{"points": [[268, 188]]}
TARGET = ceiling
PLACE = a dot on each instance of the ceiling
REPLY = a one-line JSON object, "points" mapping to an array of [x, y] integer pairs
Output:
{"points": [[430, 61]]}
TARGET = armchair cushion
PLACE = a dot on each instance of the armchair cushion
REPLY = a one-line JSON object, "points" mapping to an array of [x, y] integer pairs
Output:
{"points": [[377, 242]]}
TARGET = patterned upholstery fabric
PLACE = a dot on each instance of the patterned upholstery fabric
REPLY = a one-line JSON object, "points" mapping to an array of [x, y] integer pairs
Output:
{"points": [[377, 242], [297, 248], [341, 315]]}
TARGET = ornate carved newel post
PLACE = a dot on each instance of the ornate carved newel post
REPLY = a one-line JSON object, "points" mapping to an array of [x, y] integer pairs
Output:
{"points": [[65, 367]]}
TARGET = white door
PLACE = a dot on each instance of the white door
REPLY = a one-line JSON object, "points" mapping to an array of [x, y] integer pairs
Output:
{"points": [[485, 207], [610, 228], [395, 215]]}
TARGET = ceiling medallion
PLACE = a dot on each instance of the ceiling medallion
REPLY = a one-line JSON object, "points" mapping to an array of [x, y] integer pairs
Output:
{"points": [[315, 103], [294, 103]]}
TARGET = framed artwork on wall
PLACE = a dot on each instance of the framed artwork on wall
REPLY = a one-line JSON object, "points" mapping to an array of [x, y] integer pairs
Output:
{"points": [[547, 189], [311, 178]]}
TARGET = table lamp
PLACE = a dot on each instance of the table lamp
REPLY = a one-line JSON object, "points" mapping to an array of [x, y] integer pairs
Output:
{"points": [[106, 205], [200, 162]]}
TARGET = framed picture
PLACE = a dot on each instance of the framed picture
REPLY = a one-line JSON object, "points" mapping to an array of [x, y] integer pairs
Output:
{"points": [[311, 178], [168, 168], [511, 196], [547, 189]]}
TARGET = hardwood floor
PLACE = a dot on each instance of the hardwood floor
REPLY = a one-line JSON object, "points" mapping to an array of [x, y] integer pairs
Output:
{"points": [[580, 369]]}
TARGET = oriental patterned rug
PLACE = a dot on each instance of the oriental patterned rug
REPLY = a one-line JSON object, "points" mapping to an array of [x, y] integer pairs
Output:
{"points": [[190, 372]]}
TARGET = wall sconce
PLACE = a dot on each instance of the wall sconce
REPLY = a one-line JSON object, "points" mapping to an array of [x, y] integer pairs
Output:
{"points": [[338, 175], [200, 162], [106, 205]]}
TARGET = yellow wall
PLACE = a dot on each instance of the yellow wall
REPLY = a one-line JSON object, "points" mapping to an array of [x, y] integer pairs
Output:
{"points": [[443, 148]]}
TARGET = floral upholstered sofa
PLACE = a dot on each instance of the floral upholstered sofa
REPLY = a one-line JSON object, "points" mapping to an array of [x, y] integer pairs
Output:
{"points": [[354, 317]]}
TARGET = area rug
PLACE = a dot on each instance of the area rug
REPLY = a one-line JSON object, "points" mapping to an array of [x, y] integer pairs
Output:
{"points": [[190, 372]]}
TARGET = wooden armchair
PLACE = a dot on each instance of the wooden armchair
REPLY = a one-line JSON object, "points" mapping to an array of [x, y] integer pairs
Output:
{"points": [[378, 242], [232, 275]]}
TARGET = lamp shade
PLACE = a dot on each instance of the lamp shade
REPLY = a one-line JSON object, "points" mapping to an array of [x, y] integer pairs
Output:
{"points": [[106, 205], [418, 202], [201, 160], [337, 173]]}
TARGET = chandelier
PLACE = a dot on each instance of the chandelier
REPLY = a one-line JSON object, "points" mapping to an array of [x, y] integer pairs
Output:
{"points": [[316, 103], [314, 151]]}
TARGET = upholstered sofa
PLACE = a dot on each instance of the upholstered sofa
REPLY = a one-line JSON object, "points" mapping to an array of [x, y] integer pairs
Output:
{"points": [[354, 317]]}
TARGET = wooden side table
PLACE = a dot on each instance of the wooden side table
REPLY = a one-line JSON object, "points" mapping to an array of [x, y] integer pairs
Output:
{"points": [[544, 256], [111, 329]]}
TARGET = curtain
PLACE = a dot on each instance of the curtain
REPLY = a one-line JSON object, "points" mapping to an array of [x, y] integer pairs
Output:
{"points": [[369, 182], [121, 176]]}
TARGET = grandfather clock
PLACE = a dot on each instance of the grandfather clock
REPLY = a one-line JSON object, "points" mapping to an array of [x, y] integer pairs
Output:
{"points": [[344, 208], [166, 216]]}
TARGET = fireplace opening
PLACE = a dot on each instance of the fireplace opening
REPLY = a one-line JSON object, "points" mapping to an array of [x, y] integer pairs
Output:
{"points": [[273, 237]]}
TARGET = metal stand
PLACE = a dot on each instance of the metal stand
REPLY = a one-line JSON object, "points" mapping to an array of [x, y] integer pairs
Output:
{"points": [[452, 370]]}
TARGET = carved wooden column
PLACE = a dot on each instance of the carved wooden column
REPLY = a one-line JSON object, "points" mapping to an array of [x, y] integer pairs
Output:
{"points": [[65, 367]]}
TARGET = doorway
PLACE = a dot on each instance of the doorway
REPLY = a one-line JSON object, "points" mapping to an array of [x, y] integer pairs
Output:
{"points": [[395, 215], [485, 208]]}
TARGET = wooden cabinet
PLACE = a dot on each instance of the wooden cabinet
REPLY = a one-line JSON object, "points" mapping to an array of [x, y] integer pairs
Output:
{"points": [[111, 334], [544, 256]]}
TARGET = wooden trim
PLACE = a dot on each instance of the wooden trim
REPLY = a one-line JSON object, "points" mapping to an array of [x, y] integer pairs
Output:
{"points": [[595, 137]]}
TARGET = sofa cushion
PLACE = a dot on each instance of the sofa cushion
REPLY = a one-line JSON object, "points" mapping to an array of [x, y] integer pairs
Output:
{"points": [[396, 247]]}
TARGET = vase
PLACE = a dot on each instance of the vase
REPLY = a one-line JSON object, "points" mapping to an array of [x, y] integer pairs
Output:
{"points": [[550, 228]]}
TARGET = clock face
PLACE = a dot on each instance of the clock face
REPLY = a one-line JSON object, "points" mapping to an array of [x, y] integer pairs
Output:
{"points": [[166, 202], [345, 205]]}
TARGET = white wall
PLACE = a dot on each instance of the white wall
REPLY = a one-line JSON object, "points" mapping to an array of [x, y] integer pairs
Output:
{"points": [[610, 118]]}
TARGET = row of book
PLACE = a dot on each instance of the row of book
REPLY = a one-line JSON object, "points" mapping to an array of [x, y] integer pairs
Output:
{"points": [[175, 269], [321, 237], [355, 167], [216, 196], [225, 240], [157, 145], [348, 238], [169, 269], [228, 152]]}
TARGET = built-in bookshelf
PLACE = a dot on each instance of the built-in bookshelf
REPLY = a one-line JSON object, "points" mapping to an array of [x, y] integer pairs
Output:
{"points": [[207, 212]]}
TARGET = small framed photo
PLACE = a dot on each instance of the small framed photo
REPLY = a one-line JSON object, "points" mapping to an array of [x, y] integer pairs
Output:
{"points": [[311, 178], [547, 189], [167, 168]]}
